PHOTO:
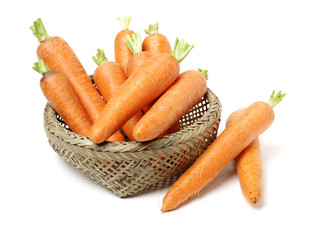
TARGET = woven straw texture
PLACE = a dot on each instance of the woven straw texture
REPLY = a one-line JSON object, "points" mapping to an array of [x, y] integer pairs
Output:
{"points": [[129, 168]]}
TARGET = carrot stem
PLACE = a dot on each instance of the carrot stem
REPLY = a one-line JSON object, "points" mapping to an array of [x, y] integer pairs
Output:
{"points": [[39, 30], [274, 100], [124, 22], [181, 49], [204, 72], [100, 57], [41, 67], [152, 29], [134, 43]]}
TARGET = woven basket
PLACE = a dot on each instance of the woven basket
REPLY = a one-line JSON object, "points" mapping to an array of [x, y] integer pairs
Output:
{"points": [[129, 168]]}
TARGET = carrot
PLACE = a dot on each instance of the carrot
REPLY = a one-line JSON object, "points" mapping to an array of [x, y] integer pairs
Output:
{"points": [[58, 56], [63, 99], [156, 42], [138, 58], [178, 99], [122, 52], [108, 77], [140, 89], [248, 165], [232, 141]]}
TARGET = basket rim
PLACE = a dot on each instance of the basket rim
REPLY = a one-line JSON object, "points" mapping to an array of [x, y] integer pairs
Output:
{"points": [[212, 115]]}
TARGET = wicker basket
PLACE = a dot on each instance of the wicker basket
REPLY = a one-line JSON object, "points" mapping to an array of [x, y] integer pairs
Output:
{"points": [[129, 168]]}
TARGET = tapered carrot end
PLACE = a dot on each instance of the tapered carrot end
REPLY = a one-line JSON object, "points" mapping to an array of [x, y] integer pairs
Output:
{"points": [[254, 198]]}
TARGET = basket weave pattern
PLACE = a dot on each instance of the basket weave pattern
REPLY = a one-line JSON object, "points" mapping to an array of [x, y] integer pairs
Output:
{"points": [[129, 168]]}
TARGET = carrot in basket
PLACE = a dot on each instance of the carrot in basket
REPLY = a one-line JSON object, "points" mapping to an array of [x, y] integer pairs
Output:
{"points": [[186, 91], [122, 52], [63, 99], [156, 42], [138, 58], [140, 89], [58, 56], [232, 141], [108, 77], [248, 165]]}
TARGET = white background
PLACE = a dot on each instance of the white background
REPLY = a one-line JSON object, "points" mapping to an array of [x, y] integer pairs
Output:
{"points": [[249, 48]]}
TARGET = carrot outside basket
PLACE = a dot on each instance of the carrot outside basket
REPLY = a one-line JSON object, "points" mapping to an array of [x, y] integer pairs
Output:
{"points": [[130, 168]]}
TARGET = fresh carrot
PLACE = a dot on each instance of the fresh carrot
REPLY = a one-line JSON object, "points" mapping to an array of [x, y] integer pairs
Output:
{"points": [[108, 77], [232, 141], [140, 89], [58, 56], [138, 58], [186, 91], [122, 52], [248, 165], [156, 42], [63, 99]]}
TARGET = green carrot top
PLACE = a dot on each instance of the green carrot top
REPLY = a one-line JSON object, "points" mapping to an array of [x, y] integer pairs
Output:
{"points": [[134, 43], [152, 29], [124, 22], [274, 100], [41, 67], [204, 72], [181, 49], [100, 57], [39, 30]]}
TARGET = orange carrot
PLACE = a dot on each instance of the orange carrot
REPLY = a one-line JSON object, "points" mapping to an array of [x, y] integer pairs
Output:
{"points": [[232, 141], [156, 42], [122, 52], [248, 165], [108, 77], [138, 58], [187, 91], [58, 56], [174, 128], [140, 89], [63, 99]]}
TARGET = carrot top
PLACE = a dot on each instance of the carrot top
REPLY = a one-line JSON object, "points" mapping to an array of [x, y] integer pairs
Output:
{"points": [[181, 49], [100, 57], [39, 30], [274, 100], [124, 22], [41, 67], [204, 72], [134, 43], [152, 29]]}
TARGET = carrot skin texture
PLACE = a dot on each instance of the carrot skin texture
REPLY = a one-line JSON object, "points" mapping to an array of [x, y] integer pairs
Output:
{"points": [[122, 52], [108, 78], [178, 99], [140, 89], [64, 100], [136, 61], [248, 165], [156, 43], [234, 139], [58, 56]]}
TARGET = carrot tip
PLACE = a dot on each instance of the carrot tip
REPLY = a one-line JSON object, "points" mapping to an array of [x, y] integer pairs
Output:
{"points": [[39, 30], [124, 22], [152, 29], [100, 57], [204, 72], [134, 43], [41, 67], [181, 49], [274, 100]]}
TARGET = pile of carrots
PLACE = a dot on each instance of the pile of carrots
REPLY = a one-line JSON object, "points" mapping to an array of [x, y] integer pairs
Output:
{"points": [[144, 94]]}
